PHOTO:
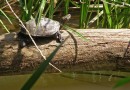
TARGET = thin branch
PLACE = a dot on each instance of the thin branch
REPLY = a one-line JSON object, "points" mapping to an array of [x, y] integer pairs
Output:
{"points": [[10, 4], [118, 4], [44, 57]]}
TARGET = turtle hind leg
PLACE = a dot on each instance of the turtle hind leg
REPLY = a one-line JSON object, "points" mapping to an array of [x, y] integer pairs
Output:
{"points": [[58, 37]]}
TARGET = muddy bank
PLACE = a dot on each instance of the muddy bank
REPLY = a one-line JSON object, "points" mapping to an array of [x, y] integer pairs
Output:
{"points": [[104, 50]]}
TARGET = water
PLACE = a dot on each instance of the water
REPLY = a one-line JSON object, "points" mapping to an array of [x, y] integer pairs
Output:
{"points": [[67, 81]]}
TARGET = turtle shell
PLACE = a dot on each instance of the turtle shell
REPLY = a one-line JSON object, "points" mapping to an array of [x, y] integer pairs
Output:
{"points": [[46, 27]]}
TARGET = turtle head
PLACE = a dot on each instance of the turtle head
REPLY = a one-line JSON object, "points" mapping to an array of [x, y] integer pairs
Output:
{"points": [[65, 19]]}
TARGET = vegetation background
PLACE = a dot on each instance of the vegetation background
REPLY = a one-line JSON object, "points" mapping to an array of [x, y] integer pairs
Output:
{"points": [[99, 13]]}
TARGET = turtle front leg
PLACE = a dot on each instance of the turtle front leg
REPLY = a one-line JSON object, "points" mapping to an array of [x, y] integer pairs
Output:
{"points": [[22, 43], [58, 37], [21, 39]]}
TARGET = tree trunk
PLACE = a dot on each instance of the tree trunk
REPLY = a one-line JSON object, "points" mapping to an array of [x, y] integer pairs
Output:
{"points": [[104, 50]]}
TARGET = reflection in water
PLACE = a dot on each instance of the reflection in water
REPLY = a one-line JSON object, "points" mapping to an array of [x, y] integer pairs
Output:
{"points": [[64, 81]]}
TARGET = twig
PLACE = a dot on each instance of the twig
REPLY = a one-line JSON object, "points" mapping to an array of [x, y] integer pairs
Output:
{"points": [[119, 4], [44, 57], [95, 18], [10, 4], [82, 2]]}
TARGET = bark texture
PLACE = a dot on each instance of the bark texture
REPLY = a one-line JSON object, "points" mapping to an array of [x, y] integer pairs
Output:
{"points": [[104, 50]]}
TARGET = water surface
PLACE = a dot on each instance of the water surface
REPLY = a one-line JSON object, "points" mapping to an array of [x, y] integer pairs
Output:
{"points": [[67, 81]]}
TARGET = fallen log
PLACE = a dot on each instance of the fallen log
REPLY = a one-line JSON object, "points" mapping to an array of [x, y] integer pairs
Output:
{"points": [[104, 50]]}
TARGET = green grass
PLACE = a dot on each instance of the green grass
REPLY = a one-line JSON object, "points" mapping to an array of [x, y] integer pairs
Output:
{"points": [[66, 6], [114, 16], [2, 13], [32, 9], [108, 14]]}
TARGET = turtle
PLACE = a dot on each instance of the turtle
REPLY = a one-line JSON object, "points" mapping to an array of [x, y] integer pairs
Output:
{"points": [[45, 28]]}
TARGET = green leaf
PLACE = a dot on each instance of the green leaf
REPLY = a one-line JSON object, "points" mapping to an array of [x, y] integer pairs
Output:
{"points": [[40, 11], [66, 7], [74, 3], [51, 9], [4, 26], [84, 7], [58, 5], [122, 82], [6, 16], [30, 8], [32, 80], [75, 32], [108, 13]]}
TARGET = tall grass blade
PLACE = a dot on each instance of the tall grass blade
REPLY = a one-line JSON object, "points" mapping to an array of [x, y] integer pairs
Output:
{"points": [[88, 17], [84, 7], [98, 13], [4, 26], [81, 23], [58, 5], [40, 11], [66, 7], [108, 14], [51, 9], [75, 32], [75, 4], [6, 17], [24, 15], [32, 80], [46, 11], [30, 8], [36, 5]]}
